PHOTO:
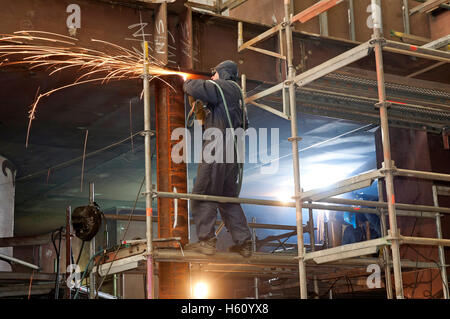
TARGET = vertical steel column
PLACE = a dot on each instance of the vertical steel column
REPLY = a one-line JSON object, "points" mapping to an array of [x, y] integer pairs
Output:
{"points": [[92, 245], [256, 279], [312, 242], [68, 246], [294, 139], [388, 164], [386, 255], [148, 175], [441, 248], [173, 277]]}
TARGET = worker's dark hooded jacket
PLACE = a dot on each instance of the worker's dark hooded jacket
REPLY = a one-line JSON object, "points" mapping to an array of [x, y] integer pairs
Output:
{"points": [[219, 179], [209, 94]]}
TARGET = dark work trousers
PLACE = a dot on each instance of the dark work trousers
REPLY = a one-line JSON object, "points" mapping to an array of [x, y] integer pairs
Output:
{"points": [[218, 179]]}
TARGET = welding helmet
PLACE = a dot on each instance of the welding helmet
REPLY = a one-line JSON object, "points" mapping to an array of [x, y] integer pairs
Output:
{"points": [[228, 70]]}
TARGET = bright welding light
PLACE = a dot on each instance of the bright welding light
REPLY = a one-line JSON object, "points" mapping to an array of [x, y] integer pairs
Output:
{"points": [[169, 72], [200, 290], [284, 196], [185, 76]]}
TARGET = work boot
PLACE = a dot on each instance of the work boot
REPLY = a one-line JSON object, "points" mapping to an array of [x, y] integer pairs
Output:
{"points": [[207, 247], [245, 249]]}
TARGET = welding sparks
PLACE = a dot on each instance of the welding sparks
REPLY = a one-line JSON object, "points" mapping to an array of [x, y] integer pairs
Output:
{"points": [[58, 52]]}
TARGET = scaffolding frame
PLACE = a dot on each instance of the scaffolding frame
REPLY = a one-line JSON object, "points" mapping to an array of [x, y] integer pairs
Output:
{"points": [[391, 237]]}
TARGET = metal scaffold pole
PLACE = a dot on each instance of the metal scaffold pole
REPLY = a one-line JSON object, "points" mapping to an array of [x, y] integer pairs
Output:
{"points": [[294, 139], [388, 164], [440, 247], [386, 255], [312, 242], [148, 174], [256, 279], [92, 245]]}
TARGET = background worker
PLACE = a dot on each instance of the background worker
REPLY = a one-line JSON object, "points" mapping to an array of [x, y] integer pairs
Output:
{"points": [[219, 179]]}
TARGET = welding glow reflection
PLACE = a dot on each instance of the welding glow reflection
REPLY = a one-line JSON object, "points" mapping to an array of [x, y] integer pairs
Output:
{"points": [[200, 290], [322, 175]]}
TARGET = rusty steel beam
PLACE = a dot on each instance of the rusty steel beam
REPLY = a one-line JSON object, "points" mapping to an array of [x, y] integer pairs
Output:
{"points": [[173, 277], [421, 52], [160, 32], [190, 35]]}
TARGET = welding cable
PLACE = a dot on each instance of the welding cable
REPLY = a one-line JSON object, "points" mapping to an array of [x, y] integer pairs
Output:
{"points": [[240, 165], [58, 255], [331, 287], [79, 254], [86, 271], [434, 261]]}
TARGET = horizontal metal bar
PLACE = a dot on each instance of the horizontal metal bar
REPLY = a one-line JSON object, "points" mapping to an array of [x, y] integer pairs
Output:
{"points": [[398, 206], [261, 37], [223, 199], [333, 64], [407, 208], [418, 214], [338, 208], [263, 202], [141, 218], [18, 261], [423, 175], [408, 49], [424, 241], [271, 226]]}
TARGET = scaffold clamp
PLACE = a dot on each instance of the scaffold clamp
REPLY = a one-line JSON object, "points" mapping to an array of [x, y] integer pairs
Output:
{"points": [[381, 41], [145, 132], [295, 138], [383, 104]]}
